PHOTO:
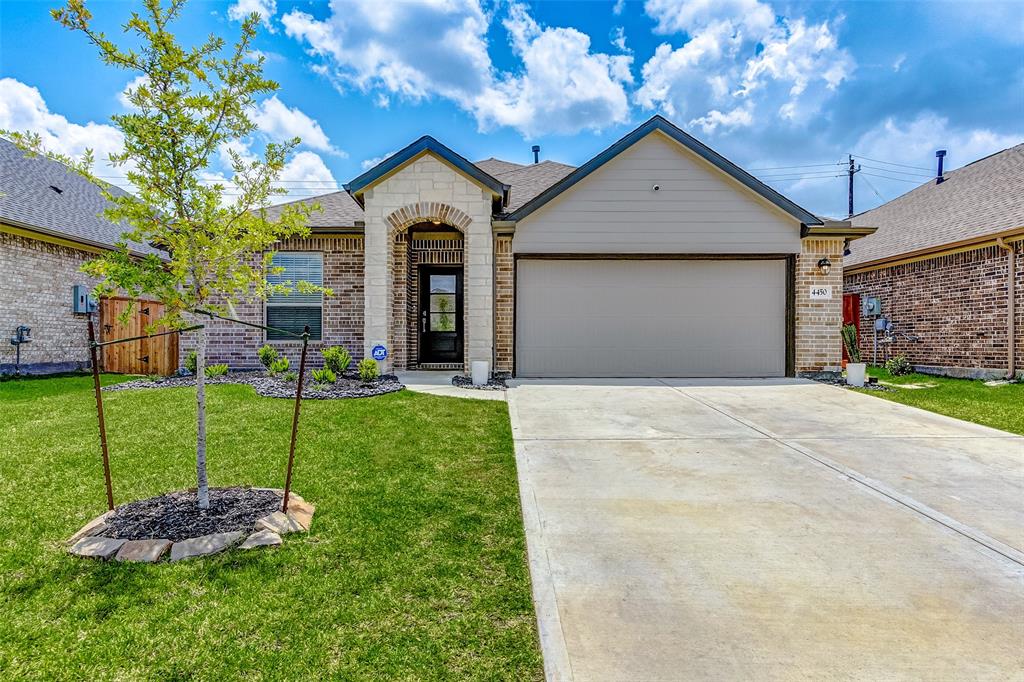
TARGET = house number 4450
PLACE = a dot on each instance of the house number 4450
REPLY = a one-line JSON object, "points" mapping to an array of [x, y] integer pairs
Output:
{"points": [[821, 293]]}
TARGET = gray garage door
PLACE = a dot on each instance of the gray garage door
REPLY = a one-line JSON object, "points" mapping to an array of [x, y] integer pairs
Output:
{"points": [[637, 318]]}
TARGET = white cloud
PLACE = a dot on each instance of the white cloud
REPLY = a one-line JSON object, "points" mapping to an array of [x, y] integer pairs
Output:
{"points": [[898, 62], [619, 7], [742, 59], [265, 8], [134, 83], [561, 86], [280, 122], [619, 39], [367, 164], [22, 108], [913, 142]]}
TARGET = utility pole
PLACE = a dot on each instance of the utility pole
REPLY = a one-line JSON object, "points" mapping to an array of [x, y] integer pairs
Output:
{"points": [[853, 168]]}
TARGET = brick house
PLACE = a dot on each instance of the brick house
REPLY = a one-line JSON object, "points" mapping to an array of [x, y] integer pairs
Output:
{"points": [[945, 266], [658, 257], [49, 226]]}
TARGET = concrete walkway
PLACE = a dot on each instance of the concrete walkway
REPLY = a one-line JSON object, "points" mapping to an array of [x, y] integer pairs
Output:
{"points": [[770, 530], [440, 383]]}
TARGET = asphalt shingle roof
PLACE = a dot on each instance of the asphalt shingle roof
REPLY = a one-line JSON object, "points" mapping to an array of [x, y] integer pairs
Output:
{"points": [[27, 199], [529, 181], [337, 209], [982, 198]]}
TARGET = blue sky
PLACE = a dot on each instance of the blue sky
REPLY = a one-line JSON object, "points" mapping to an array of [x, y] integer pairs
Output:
{"points": [[785, 89]]}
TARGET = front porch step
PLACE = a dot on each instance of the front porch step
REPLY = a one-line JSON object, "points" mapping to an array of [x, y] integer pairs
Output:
{"points": [[435, 366]]}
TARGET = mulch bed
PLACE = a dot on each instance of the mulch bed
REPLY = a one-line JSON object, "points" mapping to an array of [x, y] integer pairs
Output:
{"points": [[176, 516], [495, 383], [348, 385], [841, 381]]}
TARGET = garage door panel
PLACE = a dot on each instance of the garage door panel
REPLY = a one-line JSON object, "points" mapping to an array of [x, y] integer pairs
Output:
{"points": [[650, 318]]}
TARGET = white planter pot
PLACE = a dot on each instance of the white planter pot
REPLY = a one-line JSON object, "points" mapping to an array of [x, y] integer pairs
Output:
{"points": [[480, 372], [855, 373]]}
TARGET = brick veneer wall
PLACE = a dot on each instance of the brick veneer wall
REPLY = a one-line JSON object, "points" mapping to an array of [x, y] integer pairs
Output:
{"points": [[237, 345], [36, 292], [504, 304], [818, 322], [955, 304]]}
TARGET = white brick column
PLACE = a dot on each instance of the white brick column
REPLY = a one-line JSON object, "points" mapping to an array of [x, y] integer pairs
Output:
{"points": [[376, 279], [479, 286]]}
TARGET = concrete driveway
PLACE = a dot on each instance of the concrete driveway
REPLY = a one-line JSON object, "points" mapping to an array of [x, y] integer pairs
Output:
{"points": [[770, 530]]}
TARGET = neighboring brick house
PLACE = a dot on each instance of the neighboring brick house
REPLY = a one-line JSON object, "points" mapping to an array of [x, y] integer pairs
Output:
{"points": [[658, 257], [50, 225], [940, 265]]}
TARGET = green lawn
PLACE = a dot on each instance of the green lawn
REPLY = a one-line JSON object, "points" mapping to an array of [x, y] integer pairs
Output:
{"points": [[415, 567], [1001, 407]]}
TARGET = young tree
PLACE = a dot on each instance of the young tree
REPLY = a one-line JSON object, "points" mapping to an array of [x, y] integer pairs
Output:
{"points": [[191, 104]]}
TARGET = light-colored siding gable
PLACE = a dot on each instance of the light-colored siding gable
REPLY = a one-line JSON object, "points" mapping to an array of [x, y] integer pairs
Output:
{"points": [[698, 209]]}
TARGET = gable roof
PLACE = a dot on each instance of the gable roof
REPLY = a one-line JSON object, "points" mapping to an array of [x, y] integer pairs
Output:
{"points": [[980, 199], [29, 201], [337, 209], [660, 124], [426, 144], [527, 182]]}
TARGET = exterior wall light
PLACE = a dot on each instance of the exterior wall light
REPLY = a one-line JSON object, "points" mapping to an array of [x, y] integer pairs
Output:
{"points": [[824, 265]]}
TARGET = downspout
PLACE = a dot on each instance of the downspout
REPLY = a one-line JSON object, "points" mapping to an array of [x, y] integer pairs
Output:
{"points": [[1011, 307]]}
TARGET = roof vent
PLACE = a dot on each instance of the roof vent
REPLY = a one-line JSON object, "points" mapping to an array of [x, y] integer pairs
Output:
{"points": [[536, 153], [56, 189], [938, 175]]}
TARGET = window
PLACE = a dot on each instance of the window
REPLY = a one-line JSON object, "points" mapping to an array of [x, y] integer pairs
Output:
{"points": [[294, 311]]}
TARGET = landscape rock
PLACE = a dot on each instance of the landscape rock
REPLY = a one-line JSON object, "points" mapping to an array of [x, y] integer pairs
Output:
{"points": [[261, 538], [301, 511], [94, 527], [280, 523], [204, 545], [348, 385], [97, 548], [146, 551]]}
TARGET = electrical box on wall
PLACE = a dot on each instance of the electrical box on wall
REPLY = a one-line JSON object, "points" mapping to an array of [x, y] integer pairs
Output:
{"points": [[872, 306], [82, 302]]}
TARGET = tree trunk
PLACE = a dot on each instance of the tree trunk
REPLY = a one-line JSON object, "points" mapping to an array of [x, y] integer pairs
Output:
{"points": [[202, 485]]}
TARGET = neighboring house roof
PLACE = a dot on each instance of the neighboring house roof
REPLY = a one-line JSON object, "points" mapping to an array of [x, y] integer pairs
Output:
{"points": [[660, 124], [337, 209], [981, 199], [426, 144], [496, 167], [29, 201]]}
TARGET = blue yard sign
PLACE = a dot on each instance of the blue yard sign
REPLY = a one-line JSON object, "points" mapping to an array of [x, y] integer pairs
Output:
{"points": [[379, 353]]}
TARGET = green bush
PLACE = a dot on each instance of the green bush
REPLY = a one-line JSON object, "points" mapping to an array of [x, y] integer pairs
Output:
{"points": [[850, 341], [216, 371], [898, 365], [278, 366], [337, 358], [289, 376], [190, 362], [368, 370], [324, 376], [268, 355]]}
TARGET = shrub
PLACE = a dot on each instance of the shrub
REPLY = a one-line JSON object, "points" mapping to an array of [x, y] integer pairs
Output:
{"points": [[850, 341], [898, 365], [324, 376], [337, 358], [268, 355], [190, 362], [368, 370], [278, 366], [216, 371], [290, 376]]}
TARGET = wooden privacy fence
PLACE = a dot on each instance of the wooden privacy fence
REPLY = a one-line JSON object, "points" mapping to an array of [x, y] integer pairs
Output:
{"points": [[157, 355]]}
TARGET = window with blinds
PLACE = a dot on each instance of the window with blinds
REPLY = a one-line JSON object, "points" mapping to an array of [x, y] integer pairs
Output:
{"points": [[293, 311]]}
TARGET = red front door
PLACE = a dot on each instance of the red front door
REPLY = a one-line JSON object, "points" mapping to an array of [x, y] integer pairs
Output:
{"points": [[851, 315]]}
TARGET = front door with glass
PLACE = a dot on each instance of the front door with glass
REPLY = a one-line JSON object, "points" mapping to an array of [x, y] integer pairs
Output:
{"points": [[440, 315]]}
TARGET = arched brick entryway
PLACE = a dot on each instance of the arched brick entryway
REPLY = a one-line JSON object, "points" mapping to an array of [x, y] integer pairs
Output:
{"points": [[408, 253]]}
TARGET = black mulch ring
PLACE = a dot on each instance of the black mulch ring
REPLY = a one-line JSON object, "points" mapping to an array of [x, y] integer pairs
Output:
{"points": [[839, 380], [495, 383], [348, 385], [177, 516]]}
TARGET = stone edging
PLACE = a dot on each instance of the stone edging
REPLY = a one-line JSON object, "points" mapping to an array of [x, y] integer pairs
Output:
{"points": [[266, 532]]}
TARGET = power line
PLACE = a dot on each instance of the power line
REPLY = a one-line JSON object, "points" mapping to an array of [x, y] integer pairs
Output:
{"points": [[873, 188], [913, 182], [812, 165], [899, 172], [891, 163]]}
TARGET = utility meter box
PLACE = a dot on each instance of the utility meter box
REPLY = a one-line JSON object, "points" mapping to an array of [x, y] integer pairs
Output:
{"points": [[82, 302], [872, 306]]}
